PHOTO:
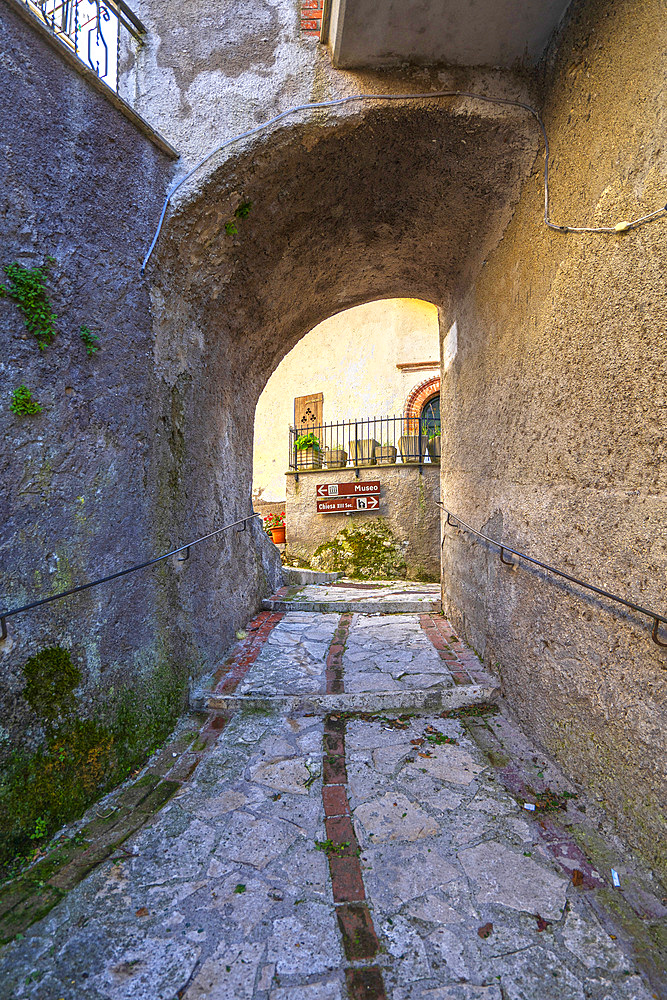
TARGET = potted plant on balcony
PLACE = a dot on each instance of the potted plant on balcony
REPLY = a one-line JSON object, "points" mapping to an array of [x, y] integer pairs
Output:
{"points": [[308, 452], [363, 451], [274, 525], [412, 448], [385, 454], [335, 458], [434, 446]]}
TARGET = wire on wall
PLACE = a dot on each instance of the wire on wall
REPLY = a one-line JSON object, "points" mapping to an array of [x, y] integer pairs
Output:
{"points": [[620, 227]]}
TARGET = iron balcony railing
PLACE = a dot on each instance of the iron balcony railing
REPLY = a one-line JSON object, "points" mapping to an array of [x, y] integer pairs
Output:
{"points": [[454, 521], [99, 33], [182, 552], [370, 441]]}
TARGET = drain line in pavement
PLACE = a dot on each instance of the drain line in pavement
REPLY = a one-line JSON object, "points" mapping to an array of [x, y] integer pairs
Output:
{"points": [[364, 980]]}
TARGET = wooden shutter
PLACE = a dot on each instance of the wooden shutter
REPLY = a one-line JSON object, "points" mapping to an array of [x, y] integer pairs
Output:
{"points": [[308, 412]]}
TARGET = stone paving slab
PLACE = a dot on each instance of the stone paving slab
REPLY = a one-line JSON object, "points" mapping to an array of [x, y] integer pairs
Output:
{"points": [[392, 652], [225, 896], [465, 900], [293, 658]]}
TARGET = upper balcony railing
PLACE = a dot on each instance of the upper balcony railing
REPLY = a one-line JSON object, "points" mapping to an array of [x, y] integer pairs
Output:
{"points": [[371, 441], [99, 33]]}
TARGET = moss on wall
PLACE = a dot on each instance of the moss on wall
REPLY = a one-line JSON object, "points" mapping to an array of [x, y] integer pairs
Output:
{"points": [[367, 552], [80, 758]]}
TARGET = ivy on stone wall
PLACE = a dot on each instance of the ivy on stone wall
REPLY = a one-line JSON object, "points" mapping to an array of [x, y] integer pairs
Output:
{"points": [[27, 288], [23, 402]]}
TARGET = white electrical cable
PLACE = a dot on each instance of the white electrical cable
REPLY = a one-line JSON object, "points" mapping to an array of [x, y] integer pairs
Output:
{"points": [[337, 102]]}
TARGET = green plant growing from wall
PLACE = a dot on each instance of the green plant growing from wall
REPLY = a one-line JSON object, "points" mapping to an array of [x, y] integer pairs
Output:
{"points": [[23, 403], [90, 340], [242, 212], [27, 288]]}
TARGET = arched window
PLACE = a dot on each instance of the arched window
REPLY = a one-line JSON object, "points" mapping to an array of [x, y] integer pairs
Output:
{"points": [[430, 417], [423, 401]]}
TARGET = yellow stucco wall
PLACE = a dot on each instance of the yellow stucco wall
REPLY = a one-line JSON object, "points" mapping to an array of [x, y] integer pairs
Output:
{"points": [[352, 358]]}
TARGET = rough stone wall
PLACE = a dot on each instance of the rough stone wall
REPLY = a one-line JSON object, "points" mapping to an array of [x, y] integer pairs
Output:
{"points": [[407, 504], [84, 488], [554, 425]]}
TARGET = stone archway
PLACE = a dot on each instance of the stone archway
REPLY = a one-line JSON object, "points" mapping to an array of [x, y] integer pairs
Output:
{"points": [[343, 211]]}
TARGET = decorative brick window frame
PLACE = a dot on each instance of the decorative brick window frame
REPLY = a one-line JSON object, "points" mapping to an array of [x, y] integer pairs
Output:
{"points": [[311, 17], [416, 401]]}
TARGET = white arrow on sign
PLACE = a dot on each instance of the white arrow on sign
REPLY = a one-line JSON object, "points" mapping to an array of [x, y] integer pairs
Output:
{"points": [[367, 503]]}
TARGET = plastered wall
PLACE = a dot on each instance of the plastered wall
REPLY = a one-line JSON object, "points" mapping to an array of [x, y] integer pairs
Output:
{"points": [[352, 359], [554, 425]]}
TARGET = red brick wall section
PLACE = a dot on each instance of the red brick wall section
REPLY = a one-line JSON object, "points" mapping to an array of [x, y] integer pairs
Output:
{"points": [[418, 397], [311, 17]]}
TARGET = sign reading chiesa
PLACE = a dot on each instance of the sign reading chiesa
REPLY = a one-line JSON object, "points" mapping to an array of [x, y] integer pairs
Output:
{"points": [[343, 498]]}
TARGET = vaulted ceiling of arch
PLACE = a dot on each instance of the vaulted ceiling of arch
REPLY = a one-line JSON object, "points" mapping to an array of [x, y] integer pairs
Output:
{"points": [[392, 201]]}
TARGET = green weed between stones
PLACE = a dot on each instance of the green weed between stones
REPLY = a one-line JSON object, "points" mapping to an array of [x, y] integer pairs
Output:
{"points": [[23, 403], [80, 758], [329, 847], [27, 288]]}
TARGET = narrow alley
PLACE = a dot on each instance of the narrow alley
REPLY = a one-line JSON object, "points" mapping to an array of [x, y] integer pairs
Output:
{"points": [[355, 815]]}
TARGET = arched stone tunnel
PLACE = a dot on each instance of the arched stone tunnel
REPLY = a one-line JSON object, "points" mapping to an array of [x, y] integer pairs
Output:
{"points": [[381, 202], [553, 401]]}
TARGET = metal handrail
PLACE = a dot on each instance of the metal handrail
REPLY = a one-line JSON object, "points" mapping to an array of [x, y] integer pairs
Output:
{"points": [[121, 572], [657, 618]]}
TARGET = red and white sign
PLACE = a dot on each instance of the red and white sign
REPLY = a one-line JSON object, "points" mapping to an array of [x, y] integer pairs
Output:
{"points": [[357, 489], [342, 505]]}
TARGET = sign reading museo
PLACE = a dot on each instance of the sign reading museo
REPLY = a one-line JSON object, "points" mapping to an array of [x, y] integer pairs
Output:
{"points": [[348, 489], [344, 498]]}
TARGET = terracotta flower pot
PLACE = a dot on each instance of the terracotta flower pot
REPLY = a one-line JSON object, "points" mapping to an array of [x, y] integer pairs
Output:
{"points": [[278, 535]]}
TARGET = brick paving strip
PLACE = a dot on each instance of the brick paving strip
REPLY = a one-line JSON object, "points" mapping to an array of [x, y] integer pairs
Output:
{"points": [[463, 664], [360, 943], [30, 896]]}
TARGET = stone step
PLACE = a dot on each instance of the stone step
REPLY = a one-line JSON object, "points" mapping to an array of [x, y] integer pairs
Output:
{"points": [[295, 577], [431, 700], [378, 598], [366, 607]]}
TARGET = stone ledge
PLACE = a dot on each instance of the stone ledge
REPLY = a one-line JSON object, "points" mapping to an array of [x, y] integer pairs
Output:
{"points": [[374, 701], [369, 607]]}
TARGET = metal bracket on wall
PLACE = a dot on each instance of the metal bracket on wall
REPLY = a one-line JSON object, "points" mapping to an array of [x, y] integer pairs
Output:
{"points": [[3, 629], [181, 557], [654, 633], [507, 562]]}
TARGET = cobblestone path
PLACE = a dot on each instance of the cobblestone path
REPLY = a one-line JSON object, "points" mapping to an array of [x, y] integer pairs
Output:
{"points": [[350, 856]]}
